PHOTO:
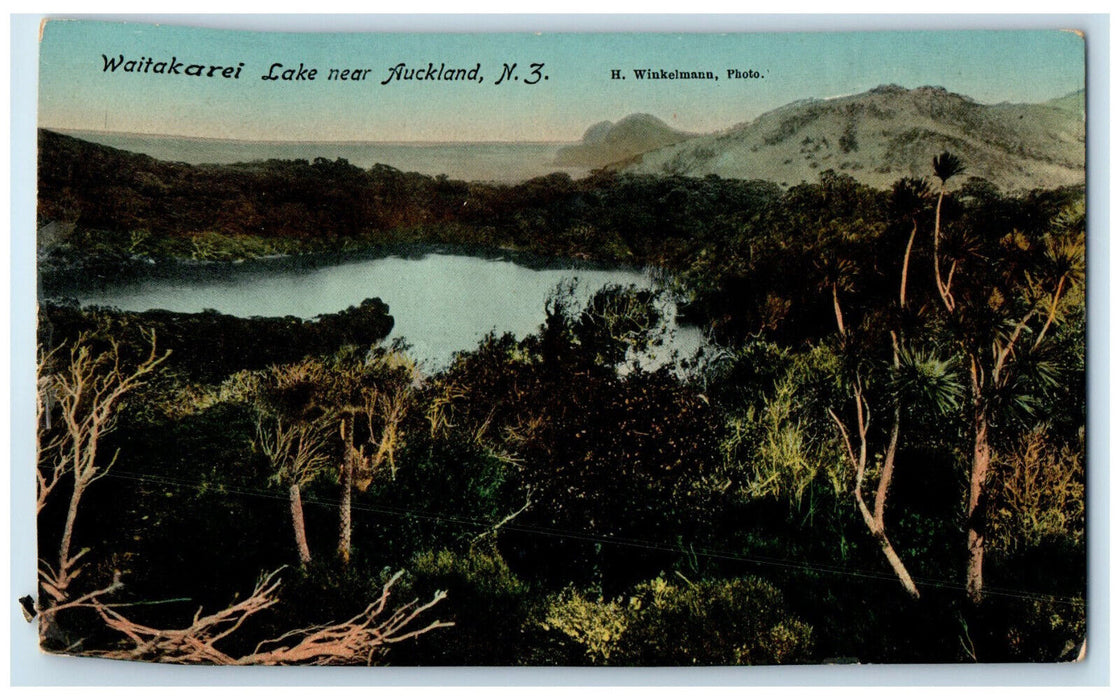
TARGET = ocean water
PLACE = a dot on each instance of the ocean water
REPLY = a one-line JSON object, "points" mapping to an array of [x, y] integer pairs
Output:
{"points": [[486, 162]]}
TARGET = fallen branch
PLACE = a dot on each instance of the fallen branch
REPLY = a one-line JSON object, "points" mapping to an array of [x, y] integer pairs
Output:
{"points": [[361, 639]]}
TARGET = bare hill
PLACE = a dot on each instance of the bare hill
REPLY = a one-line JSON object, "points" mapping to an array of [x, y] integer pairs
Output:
{"points": [[887, 133], [605, 143]]}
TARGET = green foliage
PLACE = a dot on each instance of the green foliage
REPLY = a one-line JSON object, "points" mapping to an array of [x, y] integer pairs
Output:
{"points": [[1040, 493], [210, 346], [445, 494], [1027, 631], [264, 208], [750, 279], [216, 246], [593, 624], [485, 600], [779, 447], [738, 621], [928, 381], [619, 321], [592, 449], [946, 166]]}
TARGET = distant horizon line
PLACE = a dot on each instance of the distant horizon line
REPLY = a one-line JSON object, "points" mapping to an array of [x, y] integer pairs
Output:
{"points": [[441, 142], [111, 132]]}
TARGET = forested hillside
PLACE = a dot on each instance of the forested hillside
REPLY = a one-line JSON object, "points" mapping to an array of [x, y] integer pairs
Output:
{"points": [[881, 458]]}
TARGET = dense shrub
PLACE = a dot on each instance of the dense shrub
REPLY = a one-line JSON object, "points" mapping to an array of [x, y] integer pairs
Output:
{"points": [[738, 621], [485, 600]]}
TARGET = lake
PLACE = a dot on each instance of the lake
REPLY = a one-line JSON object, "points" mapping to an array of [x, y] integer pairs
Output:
{"points": [[441, 302], [488, 162]]}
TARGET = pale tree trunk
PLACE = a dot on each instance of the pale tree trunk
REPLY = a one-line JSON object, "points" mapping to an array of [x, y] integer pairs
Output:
{"points": [[906, 266], [977, 517], [346, 479], [879, 533], [344, 511], [875, 522], [85, 426], [878, 523], [977, 520], [87, 393], [937, 242], [298, 527], [887, 473], [942, 286], [836, 309], [64, 560]]}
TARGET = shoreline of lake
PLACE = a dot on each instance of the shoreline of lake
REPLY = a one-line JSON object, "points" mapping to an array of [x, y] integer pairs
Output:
{"points": [[57, 283], [443, 298]]}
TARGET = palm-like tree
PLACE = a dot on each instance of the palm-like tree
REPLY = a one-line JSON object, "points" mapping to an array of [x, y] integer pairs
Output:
{"points": [[1038, 290], [908, 199], [1063, 261], [1017, 285], [857, 447], [836, 274], [945, 166]]}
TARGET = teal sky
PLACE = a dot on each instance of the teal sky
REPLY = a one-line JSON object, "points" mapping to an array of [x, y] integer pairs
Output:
{"points": [[75, 92]]}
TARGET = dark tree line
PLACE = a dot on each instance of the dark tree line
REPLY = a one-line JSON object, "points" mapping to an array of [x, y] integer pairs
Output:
{"points": [[127, 205], [210, 346]]}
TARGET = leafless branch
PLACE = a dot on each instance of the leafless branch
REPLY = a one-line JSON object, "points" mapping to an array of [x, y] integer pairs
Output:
{"points": [[87, 393], [493, 530], [361, 639]]}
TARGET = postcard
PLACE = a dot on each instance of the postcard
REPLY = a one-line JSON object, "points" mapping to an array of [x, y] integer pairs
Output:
{"points": [[560, 349]]}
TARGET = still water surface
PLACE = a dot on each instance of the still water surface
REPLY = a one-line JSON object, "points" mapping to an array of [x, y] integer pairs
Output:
{"points": [[441, 303]]}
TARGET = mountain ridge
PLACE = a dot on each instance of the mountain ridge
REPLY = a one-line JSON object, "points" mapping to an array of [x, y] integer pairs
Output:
{"points": [[887, 133], [604, 142]]}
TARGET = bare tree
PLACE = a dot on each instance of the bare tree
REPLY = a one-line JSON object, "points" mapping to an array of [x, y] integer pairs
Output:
{"points": [[297, 453], [360, 639], [85, 394], [376, 398]]}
